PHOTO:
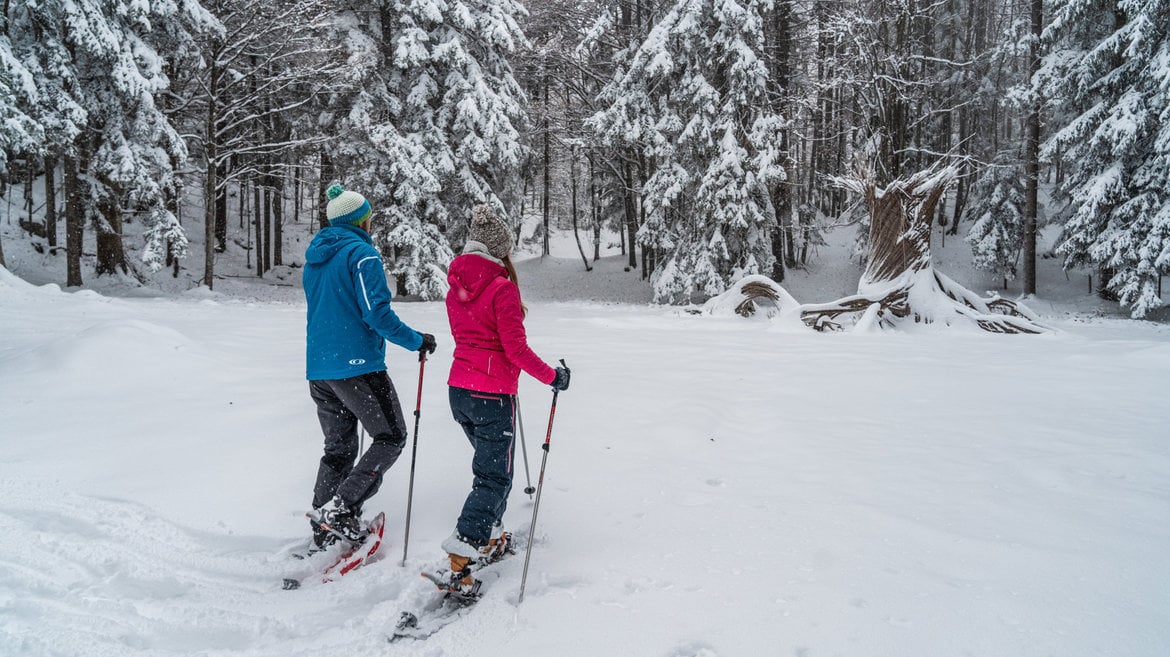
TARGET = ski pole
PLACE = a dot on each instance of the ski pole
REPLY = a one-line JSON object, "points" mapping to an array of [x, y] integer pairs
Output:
{"points": [[528, 490], [552, 411], [422, 363]]}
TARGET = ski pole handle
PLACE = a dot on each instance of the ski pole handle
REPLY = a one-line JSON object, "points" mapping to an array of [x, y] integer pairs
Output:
{"points": [[551, 413]]}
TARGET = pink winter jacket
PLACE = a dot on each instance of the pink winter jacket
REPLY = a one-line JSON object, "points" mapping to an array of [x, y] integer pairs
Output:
{"points": [[487, 323]]}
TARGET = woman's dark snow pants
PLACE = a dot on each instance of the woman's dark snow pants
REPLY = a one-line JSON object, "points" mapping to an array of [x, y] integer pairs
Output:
{"points": [[488, 420]]}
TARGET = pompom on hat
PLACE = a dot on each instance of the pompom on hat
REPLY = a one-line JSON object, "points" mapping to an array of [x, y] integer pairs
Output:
{"points": [[491, 231], [346, 207]]}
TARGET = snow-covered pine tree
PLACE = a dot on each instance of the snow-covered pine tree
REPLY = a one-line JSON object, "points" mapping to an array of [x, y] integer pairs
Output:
{"points": [[609, 46], [1110, 62], [19, 132], [37, 116], [692, 99], [135, 149], [997, 209], [98, 69], [431, 127]]}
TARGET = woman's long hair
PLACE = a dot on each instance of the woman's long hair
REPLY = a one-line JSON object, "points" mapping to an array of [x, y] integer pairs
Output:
{"points": [[511, 269]]}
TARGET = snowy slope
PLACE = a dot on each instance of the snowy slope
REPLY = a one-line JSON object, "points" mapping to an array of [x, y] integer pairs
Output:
{"points": [[716, 487]]}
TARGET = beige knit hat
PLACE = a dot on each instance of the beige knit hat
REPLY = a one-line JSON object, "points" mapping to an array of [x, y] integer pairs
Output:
{"points": [[491, 231]]}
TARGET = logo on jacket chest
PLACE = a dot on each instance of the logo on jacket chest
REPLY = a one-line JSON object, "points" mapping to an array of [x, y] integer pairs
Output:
{"points": [[358, 361]]}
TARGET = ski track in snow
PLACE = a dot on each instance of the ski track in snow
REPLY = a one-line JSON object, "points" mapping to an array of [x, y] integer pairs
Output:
{"points": [[715, 488], [108, 577]]}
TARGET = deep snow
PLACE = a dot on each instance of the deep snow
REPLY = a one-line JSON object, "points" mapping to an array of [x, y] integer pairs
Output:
{"points": [[715, 487]]}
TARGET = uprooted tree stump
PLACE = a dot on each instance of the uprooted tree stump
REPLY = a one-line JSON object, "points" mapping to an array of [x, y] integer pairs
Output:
{"points": [[899, 277], [899, 284]]}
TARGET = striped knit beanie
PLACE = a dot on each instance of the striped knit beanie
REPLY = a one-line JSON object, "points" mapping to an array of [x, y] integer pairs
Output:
{"points": [[346, 207], [491, 231]]}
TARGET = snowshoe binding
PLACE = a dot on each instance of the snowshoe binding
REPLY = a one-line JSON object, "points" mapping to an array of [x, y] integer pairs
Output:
{"points": [[460, 587], [336, 518]]}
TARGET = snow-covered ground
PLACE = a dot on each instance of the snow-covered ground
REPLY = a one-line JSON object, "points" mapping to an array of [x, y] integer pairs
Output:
{"points": [[715, 487]]}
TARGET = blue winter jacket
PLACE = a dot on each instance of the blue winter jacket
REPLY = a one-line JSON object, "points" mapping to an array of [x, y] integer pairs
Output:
{"points": [[349, 306]]}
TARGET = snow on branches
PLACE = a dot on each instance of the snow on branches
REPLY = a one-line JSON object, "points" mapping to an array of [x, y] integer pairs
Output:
{"points": [[692, 99], [432, 124], [1108, 73]]}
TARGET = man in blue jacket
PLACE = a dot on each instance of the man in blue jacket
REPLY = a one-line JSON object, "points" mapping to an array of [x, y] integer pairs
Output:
{"points": [[349, 321]]}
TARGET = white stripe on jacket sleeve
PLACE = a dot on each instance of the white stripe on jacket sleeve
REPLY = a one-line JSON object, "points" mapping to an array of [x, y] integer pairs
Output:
{"points": [[362, 280]]}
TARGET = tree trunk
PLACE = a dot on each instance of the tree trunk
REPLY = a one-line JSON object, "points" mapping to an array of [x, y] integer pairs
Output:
{"points": [[1104, 277], [1032, 158], [788, 230], [172, 196], [297, 174], [111, 254], [546, 140], [960, 204], [899, 229], [74, 222], [573, 188], [257, 220], [211, 179], [778, 35], [961, 187], [323, 182], [267, 196], [277, 219], [247, 225], [51, 201], [782, 204], [631, 209], [594, 211], [209, 219], [221, 174], [28, 193], [642, 175]]}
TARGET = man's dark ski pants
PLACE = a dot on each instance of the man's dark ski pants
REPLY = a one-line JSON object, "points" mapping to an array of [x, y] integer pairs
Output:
{"points": [[341, 404]]}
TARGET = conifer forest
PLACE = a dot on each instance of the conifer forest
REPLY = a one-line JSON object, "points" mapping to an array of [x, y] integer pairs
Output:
{"points": [[715, 139]]}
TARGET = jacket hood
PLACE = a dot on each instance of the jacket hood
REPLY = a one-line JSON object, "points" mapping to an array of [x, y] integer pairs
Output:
{"points": [[470, 274], [332, 239]]}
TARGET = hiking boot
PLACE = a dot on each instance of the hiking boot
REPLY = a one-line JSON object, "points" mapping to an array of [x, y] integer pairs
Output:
{"points": [[337, 518], [458, 580], [498, 547]]}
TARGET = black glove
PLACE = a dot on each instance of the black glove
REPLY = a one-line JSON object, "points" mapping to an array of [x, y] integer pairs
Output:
{"points": [[562, 380], [428, 345]]}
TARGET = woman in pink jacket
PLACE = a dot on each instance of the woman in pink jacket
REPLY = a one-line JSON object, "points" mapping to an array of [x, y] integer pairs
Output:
{"points": [[491, 349]]}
